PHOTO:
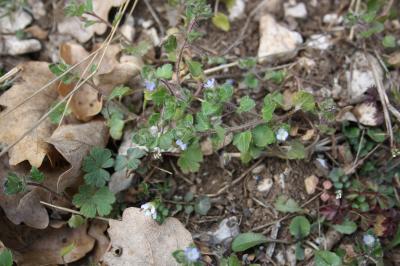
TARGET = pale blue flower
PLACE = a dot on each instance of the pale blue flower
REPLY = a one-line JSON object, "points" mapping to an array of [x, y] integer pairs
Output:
{"points": [[230, 81], [192, 254], [282, 134], [150, 85], [210, 84], [149, 210], [181, 144], [369, 240]]}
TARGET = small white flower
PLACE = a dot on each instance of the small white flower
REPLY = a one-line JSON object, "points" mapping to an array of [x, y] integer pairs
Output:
{"points": [[210, 84], [282, 134], [149, 210], [369, 240], [192, 254], [153, 131], [181, 144]]}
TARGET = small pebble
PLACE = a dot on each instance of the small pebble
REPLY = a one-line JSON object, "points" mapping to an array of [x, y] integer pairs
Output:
{"points": [[265, 185]]}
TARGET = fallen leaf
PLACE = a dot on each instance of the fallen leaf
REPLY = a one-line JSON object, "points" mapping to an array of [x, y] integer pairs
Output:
{"points": [[42, 247], [139, 240], [86, 102], [33, 147], [74, 142], [97, 230]]}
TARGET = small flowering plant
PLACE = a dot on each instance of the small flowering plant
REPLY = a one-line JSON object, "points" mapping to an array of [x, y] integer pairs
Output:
{"points": [[156, 210], [189, 256]]}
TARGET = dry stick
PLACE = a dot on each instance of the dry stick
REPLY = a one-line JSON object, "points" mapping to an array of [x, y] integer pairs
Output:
{"points": [[70, 210], [156, 18], [77, 86], [384, 100], [10, 73]]}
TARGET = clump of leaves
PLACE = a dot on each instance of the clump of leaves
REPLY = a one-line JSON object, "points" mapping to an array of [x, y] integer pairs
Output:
{"points": [[94, 197], [16, 184]]}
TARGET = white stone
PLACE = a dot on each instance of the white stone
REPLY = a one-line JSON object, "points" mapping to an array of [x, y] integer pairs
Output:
{"points": [[311, 183], [227, 230], [72, 26], [15, 21], [11, 45], [319, 41], [296, 11], [265, 185], [361, 77], [276, 42], [332, 18], [237, 10]]}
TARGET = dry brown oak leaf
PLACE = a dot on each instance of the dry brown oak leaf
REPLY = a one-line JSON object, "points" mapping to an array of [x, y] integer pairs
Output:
{"points": [[33, 147], [32, 247], [142, 241], [113, 70], [74, 142]]}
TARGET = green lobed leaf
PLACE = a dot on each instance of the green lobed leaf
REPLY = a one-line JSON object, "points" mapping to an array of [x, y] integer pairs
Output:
{"points": [[221, 21], [170, 44], [232, 260], [389, 41], [276, 77], [347, 227], [76, 220], [327, 258], [268, 108], [246, 104], [59, 69], [164, 72], [195, 68], [36, 175], [6, 258], [139, 50], [57, 114], [304, 101], [251, 81], [245, 241], [119, 92], [263, 136], [285, 204], [91, 201], [116, 124], [242, 141], [14, 184], [376, 134], [189, 160], [300, 227], [94, 165], [296, 150]]}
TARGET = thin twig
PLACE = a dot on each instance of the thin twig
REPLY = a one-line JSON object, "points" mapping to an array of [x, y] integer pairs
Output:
{"points": [[10, 73], [70, 210]]}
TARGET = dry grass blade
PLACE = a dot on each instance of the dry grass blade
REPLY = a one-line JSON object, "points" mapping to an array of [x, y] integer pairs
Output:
{"points": [[79, 83]]}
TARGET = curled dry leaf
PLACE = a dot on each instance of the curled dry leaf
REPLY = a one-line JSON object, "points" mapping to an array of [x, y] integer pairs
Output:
{"points": [[113, 71], [74, 142], [368, 114], [142, 241], [33, 147], [25, 207], [86, 102], [43, 247], [97, 230], [76, 28]]}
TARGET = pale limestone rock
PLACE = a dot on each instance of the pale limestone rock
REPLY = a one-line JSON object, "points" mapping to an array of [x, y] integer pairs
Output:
{"points": [[277, 42], [298, 10]]}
